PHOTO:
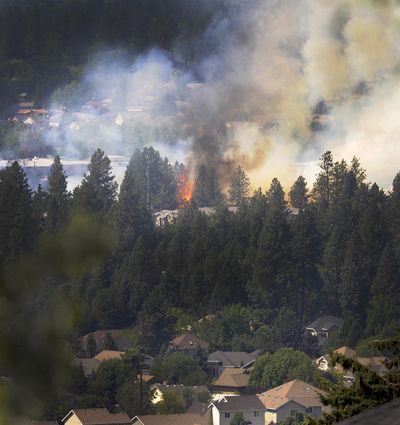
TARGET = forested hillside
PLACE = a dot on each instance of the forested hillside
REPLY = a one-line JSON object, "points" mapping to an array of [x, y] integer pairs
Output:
{"points": [[264, 271]]}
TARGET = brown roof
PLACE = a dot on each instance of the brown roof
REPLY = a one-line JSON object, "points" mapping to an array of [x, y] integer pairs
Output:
{"points": [[24, 111], [346, 352], [299, 391], [109, 355], [98, 417], [118, 335], [188, 342], [232, 377], [174, 419]]}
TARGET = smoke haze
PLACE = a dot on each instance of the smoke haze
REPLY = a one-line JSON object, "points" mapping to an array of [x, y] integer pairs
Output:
{"points": [[277, 69]]}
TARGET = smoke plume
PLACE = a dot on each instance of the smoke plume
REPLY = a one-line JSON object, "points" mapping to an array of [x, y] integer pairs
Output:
{"points": [[285, 81]]}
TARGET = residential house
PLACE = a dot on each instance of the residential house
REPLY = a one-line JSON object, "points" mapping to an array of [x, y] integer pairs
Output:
{"points": [[187, 342], [146, 378], [185, 392], [375, 363], [218, 361], [250, 406], [386, 414], [108, 355], [323, 362], [173, 419], [232, 381], [95, 417], [324, 326], [89, 366], [119, 337], [289, 399]]}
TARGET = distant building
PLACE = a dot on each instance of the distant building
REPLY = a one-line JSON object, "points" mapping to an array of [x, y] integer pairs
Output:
{"points": [[183, 391], [218, 361], [89, 366], [324, 326], [250, 406], [108, 355], [95, 417], [187, 342], [119, 336], [232, 381], [173, 419], [290, 399]]}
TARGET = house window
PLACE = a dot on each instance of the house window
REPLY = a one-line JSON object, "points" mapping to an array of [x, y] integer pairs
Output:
{"points": [[308, 409], [227, 415], [256, 414], [294, 412]]}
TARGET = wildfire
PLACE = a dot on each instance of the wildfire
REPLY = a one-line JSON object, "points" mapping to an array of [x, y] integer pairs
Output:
{"points": [[185, 189]]}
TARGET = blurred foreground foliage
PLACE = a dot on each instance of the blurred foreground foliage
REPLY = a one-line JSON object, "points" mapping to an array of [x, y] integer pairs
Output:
{"points": [[34, 327]]}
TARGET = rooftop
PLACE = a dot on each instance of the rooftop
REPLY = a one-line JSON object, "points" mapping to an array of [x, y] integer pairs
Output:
{"points": [[174, 419], [98, 417], [239, 403], [232, 377], [189, 342], [299, 391], [231, 358]]}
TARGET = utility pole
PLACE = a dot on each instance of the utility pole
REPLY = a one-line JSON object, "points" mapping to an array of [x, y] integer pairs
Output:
{"points": [[141, 371]]}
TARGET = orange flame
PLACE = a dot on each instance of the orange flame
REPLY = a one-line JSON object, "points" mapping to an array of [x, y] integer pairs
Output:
{"points": [[185, 189]]}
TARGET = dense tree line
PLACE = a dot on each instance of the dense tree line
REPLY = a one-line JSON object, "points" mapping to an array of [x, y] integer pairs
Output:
{"points": [[261, 273]]}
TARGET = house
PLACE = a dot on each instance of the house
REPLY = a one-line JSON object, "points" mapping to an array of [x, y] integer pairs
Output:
{"points": [[323, 362], [108, 355], [165, 217], [232, 381], [185, 392], [375, 363], [250, 406], [89, 366], [119, 336], [173, 419], [289, 399], [385, 414], [187, 342], [324, 326], [95, 417], [220, 360], [147, 379]]}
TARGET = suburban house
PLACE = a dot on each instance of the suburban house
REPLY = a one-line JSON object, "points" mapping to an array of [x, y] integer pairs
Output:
{"points": [[218, 361], [119, 337], [250, 406], [89, 366], [375, 363], [324, 326], [187, 342], [108, 355], [385, 414], [289, 399], [323, 362], [186, 393], [95, 417], [232, 381], [173, 419]]}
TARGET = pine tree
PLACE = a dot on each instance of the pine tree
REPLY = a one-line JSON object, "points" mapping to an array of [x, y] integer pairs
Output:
{"points": [[321, 192], [276, 196], [206, 190], [58, 199], [384, 309], [299, 194], [17, 225], [98, 190], [133, 219], [239, 188]]}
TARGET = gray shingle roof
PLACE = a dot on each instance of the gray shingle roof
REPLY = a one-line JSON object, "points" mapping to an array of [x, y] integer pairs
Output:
{"points": [[239, 403], [325, 323], [386, 414], [231, 358]]}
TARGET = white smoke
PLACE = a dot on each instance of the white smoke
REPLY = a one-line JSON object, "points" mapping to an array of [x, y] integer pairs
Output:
{"points": [[252, 101]]}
